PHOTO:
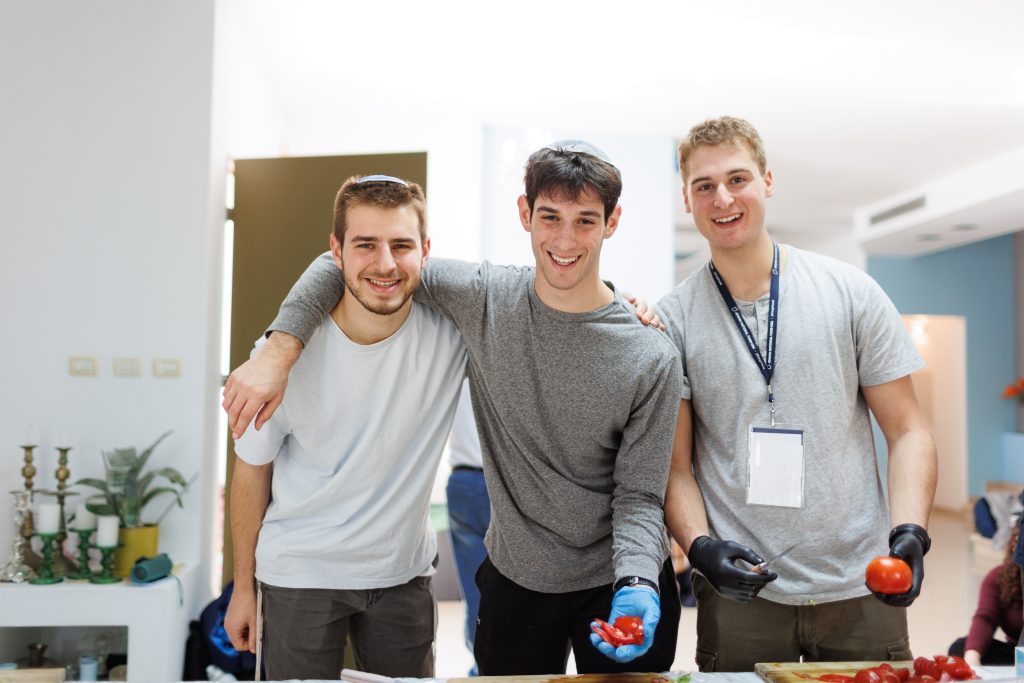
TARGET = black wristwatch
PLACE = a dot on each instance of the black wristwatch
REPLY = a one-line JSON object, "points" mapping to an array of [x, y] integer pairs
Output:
{"points": [[634, 581]]}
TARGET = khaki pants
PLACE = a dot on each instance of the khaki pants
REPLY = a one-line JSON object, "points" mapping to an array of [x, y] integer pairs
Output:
{"points": [[392, 631], [732, 636]]}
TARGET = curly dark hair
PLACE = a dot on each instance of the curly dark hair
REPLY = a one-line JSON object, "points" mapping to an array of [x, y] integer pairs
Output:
{"points": [[1009, 574]]}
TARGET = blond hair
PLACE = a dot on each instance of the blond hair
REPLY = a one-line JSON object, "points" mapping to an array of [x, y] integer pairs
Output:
{"points": [[721, 131]]}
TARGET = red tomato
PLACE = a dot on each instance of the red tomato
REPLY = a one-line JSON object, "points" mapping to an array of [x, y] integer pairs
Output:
{"points": [[867, 676], [889, 575], [632, 629], [925, 667], [626, 631]]}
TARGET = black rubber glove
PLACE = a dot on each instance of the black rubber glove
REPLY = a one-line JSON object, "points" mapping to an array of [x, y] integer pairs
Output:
{"points": [[715, 560], [909, 542]]}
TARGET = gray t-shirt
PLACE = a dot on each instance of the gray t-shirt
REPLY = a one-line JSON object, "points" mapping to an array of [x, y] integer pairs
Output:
{"points": [[837, 332], [576, 413]]}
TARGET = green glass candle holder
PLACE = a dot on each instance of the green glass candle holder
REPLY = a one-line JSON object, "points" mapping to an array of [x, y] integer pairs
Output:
{"points": [[106, 574], [46, 575], [83, 554]]}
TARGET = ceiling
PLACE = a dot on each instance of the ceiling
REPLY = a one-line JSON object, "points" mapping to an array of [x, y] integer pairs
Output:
{"points": [[856, 102]]}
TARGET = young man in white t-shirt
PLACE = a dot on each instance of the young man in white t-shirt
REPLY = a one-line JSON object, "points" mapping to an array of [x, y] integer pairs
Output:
{"points": [[345, 548]]}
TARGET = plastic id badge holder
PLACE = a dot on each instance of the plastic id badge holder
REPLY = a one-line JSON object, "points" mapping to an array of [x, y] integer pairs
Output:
{"points": [[775, 466]]}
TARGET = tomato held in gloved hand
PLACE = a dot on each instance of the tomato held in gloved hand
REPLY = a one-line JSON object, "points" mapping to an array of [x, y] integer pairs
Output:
{"points": [[639, 602], [625, 631], [889, 575]]}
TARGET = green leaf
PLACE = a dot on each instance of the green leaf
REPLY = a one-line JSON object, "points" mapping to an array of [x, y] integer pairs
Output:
{"points": [[143, 483], [95, 483], [149, 451], [104, 507], [173, 475], [159, 491]]}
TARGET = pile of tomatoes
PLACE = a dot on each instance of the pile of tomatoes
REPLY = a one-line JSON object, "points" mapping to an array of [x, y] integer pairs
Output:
{"points": [[938, 668], [626, 631], [943, 668]]}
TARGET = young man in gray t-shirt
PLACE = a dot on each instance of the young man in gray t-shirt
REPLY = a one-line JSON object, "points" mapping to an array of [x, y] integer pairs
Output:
{"points": [[575, 402], [785, 352]]}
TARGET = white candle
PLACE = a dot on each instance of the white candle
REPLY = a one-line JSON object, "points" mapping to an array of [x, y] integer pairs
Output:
{"points": [[31, 438], [64, 441], [106, 534], [48, 520], [83, 518]]}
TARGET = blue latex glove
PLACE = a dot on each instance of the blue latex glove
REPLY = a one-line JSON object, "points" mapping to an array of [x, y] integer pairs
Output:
{"points": [[631, 601]]}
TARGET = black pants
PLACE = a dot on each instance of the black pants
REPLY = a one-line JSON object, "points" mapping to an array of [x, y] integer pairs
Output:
{"points": [[520, 631]]}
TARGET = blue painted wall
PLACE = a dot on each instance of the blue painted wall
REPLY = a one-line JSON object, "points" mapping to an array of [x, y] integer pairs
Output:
{"points": [[975, 281]]}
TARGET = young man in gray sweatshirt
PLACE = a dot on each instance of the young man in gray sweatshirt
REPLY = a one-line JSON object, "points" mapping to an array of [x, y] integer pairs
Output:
{"points": [[575, 402]]}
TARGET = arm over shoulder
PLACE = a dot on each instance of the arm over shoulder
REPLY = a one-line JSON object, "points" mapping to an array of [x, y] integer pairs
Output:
{"points": [[311, 298]]}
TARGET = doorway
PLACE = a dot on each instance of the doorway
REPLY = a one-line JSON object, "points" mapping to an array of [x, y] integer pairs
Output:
{"points": [[941, 388]]}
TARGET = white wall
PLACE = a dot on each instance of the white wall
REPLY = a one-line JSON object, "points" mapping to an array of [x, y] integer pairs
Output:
{"points": [[841, 245], [111, 239], [256, 129]]}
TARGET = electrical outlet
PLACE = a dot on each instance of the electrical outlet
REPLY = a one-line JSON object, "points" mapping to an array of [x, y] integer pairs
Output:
{"points": [[83, 366], [127, 367], [166, 367]]}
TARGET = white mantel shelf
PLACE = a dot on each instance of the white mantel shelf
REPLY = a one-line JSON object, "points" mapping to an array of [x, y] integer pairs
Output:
{"points": [[157, 622]]}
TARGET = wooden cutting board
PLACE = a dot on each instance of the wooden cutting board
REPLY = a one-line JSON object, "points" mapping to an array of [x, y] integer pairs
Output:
{"points": [[806, 672]]}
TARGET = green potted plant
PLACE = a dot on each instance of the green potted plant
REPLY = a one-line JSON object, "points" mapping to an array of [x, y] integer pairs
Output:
{"points": [[126, 491]]}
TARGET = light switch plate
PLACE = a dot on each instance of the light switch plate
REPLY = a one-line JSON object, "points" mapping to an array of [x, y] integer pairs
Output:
{"points": [[166, 367], [83, 366], [127, 367]]}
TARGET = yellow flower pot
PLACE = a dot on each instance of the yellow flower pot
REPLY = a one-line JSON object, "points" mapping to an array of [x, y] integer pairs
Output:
{"points": [[135, 543]]}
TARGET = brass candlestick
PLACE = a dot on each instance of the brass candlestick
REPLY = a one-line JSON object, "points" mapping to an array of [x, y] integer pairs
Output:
{"points": [[16, 569], [64, 565], [28, 472]]}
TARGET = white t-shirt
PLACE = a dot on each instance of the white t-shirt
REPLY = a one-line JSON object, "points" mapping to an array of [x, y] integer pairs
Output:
{"points": [[356, 445]]}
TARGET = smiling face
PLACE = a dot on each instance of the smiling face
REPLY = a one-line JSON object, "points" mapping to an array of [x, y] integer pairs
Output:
{"points": [[726, 193], [566, 236], [382, 257]]}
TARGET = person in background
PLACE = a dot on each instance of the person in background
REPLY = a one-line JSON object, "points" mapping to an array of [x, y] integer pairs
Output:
{"points": [[469, 509], [786, 354], [1018, 559], [999, 606]]}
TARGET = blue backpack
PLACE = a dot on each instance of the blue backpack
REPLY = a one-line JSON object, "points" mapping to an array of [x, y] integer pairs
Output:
{"points": [[218, 645]]}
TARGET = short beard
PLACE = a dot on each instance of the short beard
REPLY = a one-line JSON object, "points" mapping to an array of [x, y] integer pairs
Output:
{"points": [[376, 306]]}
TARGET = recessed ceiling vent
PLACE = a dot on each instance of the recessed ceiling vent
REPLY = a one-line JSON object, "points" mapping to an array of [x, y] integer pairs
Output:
{"points": [[899, 210]]}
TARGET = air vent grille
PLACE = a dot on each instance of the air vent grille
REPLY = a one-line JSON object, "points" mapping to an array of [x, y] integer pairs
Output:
{"points": [[899, 210]]}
